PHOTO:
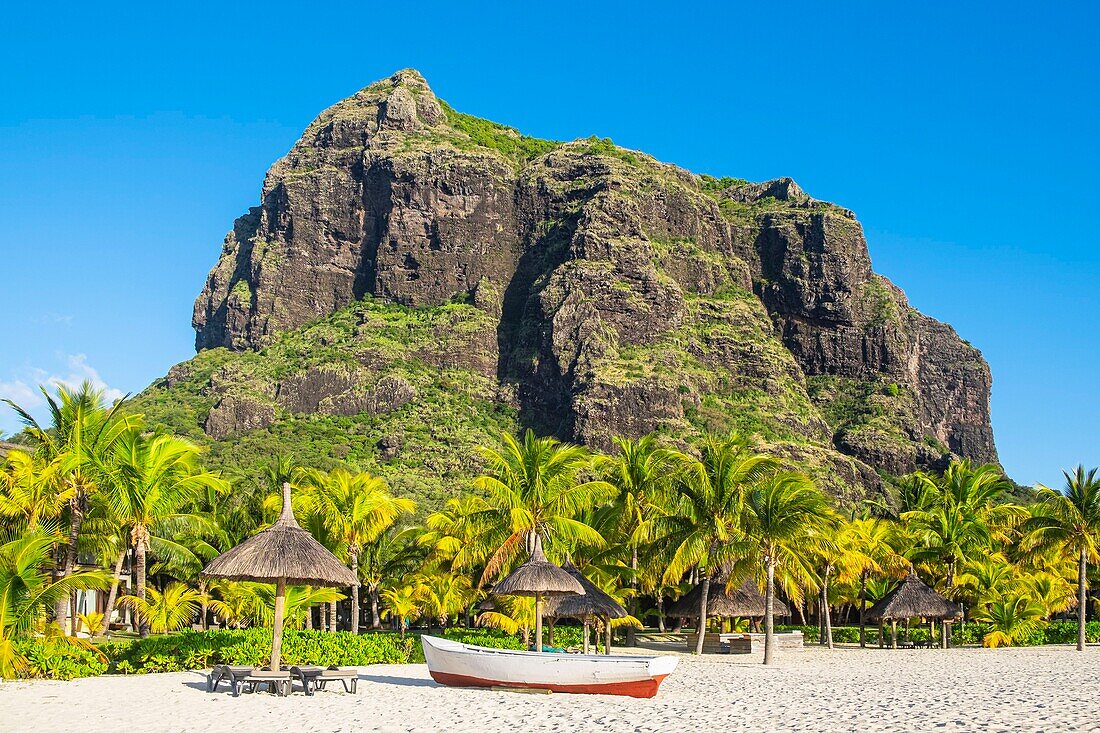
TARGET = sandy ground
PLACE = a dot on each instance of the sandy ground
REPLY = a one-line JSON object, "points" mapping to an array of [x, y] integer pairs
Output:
{"points": [[1049, 689]]}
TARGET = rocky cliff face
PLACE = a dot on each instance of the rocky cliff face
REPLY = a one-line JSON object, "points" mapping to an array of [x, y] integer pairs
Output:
{"points": [[617, 295]]}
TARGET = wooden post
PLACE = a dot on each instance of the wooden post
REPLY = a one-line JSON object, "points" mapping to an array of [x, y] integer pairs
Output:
{"points": [[277, 634], [893, 633], [587, 634], [538, 622], [550, 633], [607, 642], [881, 634]]}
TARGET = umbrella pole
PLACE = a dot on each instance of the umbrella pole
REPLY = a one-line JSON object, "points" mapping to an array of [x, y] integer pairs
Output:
{"points": [[607, 641], [277, 634], [538, 622], [587, 634]]}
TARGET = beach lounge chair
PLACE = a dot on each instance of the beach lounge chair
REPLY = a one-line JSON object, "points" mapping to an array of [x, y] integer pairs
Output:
{"points": [[232, 674], [279, 681], [315, 678]]}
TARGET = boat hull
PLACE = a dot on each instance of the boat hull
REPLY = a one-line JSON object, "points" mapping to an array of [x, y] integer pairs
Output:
{"points": [[463, 665]]}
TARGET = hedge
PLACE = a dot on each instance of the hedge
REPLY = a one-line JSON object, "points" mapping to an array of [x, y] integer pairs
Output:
{"points": [[53, 659], [202, 649]]}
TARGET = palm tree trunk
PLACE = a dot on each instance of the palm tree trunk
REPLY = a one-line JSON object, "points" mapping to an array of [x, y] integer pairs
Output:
{"points": [[375, 615], [332, 616], [113, 595], [204, 605], [660, 612], [355, 593], [862, 610], [630, 639], [309, 618], [1082, 597], [825, 610], [769, 613], [66, 606], [703, 613], [139, 590], [608, 636], [587, 635]]}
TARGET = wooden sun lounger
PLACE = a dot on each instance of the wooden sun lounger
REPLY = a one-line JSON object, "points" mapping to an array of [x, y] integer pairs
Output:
{"points": [[232, 674], [315, 678]]}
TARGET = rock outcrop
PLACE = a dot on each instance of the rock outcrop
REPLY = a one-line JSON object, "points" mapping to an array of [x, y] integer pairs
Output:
{"points": [[627, 295]]}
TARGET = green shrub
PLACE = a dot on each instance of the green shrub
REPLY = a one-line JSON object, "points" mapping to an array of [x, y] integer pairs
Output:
{"points": [[198, 650], [53, 659], [1065, 632]]}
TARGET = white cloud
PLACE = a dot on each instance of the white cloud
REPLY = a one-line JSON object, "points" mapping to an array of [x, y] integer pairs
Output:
{"points": [[23, 388]]}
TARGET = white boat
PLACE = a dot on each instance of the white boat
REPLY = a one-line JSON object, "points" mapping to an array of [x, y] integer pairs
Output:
{"points": [[464, 665]]}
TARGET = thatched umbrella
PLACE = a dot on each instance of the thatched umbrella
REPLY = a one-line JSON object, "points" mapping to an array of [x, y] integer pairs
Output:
{"points": [[538, 577], [744, 602], [913, 599], [594, 602], [283, 553]]}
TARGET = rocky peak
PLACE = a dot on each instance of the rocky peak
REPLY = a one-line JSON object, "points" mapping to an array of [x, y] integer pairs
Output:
{"points": [[627, 295]]}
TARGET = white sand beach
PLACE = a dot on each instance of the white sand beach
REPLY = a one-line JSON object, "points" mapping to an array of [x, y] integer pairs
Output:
{"points": [[1037, 689]]}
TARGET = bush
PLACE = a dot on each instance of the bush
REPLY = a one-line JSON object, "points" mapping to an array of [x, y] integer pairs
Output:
{"points": [[53, 659], [198, 650], [1065, 632]]}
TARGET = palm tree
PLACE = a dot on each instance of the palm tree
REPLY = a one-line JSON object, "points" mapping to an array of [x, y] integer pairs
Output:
{"points": [[534, 487], [27, 591], [638, 472], [402, 604], [253, 604], [30, 489], [1070, 520], [165, 611], [442, 595], [872, 540], [358, 508], [783, 516], [151, 479], [964, 515], [82, 430], [1012, 618], [703, 527]]}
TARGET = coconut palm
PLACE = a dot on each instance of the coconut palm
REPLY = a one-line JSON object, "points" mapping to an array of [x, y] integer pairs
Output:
{"points": [[639, 472], [783, 516], [83, 428], [247, 603], [442, 595], [703, 526], [402, 604], [1011, 618], [985, 579], [512, 615], [30, 490], [872, 538], [1070, 520], [1051, 591], [534, 486], [964, 515], [166, 611], [27, 592], [152, 478], [358, 508]]}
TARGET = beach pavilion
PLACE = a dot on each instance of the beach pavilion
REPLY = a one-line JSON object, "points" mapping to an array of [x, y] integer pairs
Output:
{"points": [[593, 604], [914, 599]]}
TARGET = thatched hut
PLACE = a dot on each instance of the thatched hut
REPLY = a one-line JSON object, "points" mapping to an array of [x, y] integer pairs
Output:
{"points": [[744, 602], [281, 554], [538, 577], [593, 604], [914, 599]]}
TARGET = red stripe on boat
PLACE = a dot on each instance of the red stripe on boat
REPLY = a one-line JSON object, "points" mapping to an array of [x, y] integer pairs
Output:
{"points": [[635, 688]]}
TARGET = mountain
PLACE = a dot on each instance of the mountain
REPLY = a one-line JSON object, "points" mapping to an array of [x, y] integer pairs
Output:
{"points": [[416, 280]]}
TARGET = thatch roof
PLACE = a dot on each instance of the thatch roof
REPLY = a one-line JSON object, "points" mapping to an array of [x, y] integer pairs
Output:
{"points": [[913, 599], [594, 602], [538, 576], [283, 550], [745, 602]]}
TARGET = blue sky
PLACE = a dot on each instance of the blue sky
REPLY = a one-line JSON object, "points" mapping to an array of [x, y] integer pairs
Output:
{"points": [[965, 138]]}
